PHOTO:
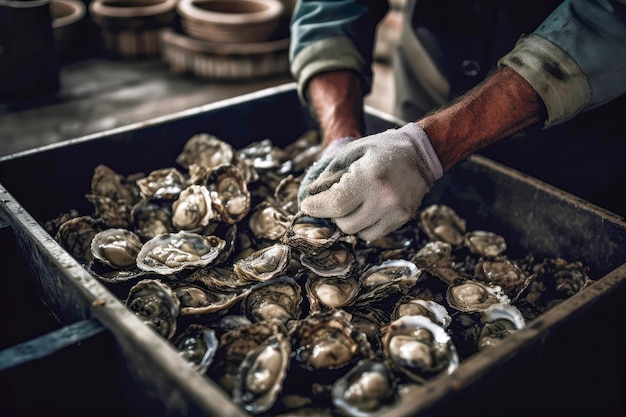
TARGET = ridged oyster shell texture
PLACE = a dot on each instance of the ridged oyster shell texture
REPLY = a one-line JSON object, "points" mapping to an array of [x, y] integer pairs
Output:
{"points": [[285, 312]]}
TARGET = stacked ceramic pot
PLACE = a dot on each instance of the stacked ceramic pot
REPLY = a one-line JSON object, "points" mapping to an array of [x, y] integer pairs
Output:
{"points": [[130, 28], [229, 38]]}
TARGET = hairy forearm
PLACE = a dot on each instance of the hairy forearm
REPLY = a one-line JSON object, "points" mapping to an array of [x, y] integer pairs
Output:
{"points": [[501, 105], [337, 103]]}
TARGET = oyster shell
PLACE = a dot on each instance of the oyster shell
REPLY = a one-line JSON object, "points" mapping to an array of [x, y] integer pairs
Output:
{"points": [[117, 248], [197, 345], [337, 261], [485, 243], [229, 193], [193, 209], [205, 150], [327, 340], [286, 194], [368, 388], [311, 235], [408, 306], [470, 296], [75, 236], [263, 264], [170, 253], [330, 292], [261, 374], [268, 222], [276, 299], [150, 218], [105, 182], [162, 184], [196, 300], [419, 348], [441, 222], [499, 321], [156, 304], [392, 277], [235, 345], [505, 273]]}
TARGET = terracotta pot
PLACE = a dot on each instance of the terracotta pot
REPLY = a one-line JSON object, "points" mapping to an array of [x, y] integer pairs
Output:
{"points": [[130, 28], [230, 20], [219, 60], [67, 19]]}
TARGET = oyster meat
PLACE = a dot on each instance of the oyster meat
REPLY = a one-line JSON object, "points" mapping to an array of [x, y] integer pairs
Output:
{"points": [[170, 253], [156, 304]]}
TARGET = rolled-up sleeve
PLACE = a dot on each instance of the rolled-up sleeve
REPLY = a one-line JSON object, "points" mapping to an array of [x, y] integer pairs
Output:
{"points": [[576, 59], [334, 35]]}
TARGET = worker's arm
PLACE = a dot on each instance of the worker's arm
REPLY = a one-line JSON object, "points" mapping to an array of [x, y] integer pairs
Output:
{"points": [[501, 105]]}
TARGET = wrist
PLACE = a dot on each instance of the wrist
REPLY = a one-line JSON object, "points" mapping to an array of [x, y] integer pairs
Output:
{"points": [[424, 149]]}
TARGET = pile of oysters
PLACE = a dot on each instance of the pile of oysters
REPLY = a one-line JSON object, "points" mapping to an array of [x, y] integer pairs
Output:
{"points": [[213, 253]]}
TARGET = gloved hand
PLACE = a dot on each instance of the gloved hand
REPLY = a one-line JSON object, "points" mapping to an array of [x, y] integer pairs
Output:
{"points": [[374, 185], [316, 169]]}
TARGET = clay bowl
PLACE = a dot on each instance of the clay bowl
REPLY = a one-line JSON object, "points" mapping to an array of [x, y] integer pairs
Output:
{"points": [[130, 28], [67, 20], [230, 21]]}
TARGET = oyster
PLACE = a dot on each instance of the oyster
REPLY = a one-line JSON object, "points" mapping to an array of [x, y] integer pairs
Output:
{"points": [[441, 222], [117, 248], [197, 300], [261, 374], [369, 387], [499, 320], [422, 307], [262, 155], [110, 212], [235, 345], [419, 348], [162, 184], [156, 304], [470, 296], [330, 292], [170, 253], [336, 261], [205, 150], [286, 194], [327, 340], [436, 258], [150, 218], [263, 264], [392, 277], [485, 243], [310, 235], [278, 298], [197, 345], [503, 272], [193, 209], [229, 193], [556, 280], [268, 222], [75, 236], [105, 182]]}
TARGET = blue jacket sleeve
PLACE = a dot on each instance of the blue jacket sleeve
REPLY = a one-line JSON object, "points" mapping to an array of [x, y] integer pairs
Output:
{"points": [[576, 59], [331, 35]]}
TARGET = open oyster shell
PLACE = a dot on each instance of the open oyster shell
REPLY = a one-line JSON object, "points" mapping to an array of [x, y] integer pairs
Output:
{"points": [[170, 253], [471, 296], [367, 389], [156, 304], [263, 264], [117, 248], [441, 222], [261, 374], [276, 299], [419, 348]]}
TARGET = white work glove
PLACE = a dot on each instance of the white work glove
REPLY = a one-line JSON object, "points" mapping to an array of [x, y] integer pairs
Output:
{"points": [[374, 185], [316, 169]]}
